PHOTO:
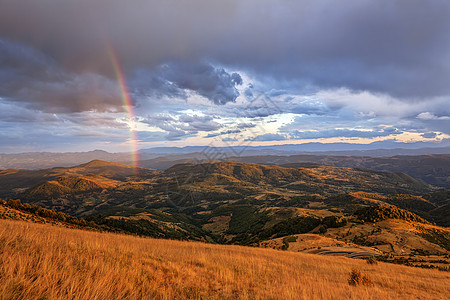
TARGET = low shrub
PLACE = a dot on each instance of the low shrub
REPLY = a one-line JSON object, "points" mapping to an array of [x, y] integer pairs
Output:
{"points": [[372, 260], [356, 278]]}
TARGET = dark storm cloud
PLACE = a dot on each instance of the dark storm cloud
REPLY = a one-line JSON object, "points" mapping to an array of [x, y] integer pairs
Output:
{"points": [[173, 79], [397, 47], [29, 77], [11, 113]]}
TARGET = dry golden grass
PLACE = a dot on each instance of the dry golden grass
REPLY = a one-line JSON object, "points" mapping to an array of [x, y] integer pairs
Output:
{"points": [[50, 262]]}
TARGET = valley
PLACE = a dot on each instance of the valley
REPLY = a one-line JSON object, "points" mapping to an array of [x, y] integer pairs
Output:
{"points": [[320, 209]]}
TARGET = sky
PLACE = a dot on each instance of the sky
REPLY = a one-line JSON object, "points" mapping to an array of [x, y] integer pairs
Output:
{"points": [[79, 75]]}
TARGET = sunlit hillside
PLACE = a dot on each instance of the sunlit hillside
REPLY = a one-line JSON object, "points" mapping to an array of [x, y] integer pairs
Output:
{"points": [[50, 262]]}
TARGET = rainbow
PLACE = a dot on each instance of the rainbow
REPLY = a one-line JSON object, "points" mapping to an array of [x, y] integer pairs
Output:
{"points": [[126, 99]]}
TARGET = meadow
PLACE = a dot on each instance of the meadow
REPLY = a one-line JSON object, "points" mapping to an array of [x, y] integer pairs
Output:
{"points": [[43, 261]]}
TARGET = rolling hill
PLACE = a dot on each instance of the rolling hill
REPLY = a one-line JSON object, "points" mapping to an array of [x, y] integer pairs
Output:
{"points": [[71, 185], [13, 181], [433, 169], [310, 178]]}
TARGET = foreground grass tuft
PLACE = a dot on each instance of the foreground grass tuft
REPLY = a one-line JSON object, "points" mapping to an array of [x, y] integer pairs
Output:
{"points": [[357, 278]]}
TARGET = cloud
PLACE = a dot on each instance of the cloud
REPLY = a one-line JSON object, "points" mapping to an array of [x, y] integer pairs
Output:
{"points": [[307, 107], [300, 70], [182, 126], [29, 77], [200, 123], [229, 139], [12, 113], [430, 116], [429, 135], [430, 121], [246, 125], [268, 137], [231, 131], [174, 79], [396, 48], [59, 134], [346, 133]]}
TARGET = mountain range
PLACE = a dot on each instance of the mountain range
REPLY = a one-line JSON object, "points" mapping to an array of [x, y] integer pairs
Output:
{"points": [[40, 160]]}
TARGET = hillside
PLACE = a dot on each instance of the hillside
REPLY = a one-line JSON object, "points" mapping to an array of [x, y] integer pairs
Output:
{"points": [[15, 210], [386, 232], [13, 181], [98, 186], [433, 169], [308, 178], [70, 185], [152, 223], [116, 266]]}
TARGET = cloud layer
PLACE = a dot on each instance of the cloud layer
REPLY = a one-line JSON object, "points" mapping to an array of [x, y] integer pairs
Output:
{"points": [[232, 71], [174, 79], [30, 77], [395, 47]]}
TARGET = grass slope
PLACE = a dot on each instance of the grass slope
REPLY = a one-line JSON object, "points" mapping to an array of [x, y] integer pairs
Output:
{"points": [[50, 262]]}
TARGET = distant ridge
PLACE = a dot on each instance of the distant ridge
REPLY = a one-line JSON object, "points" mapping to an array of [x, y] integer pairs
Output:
{"points": [[109, 169], [101, 163], [40, 160], [372, 149]]}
